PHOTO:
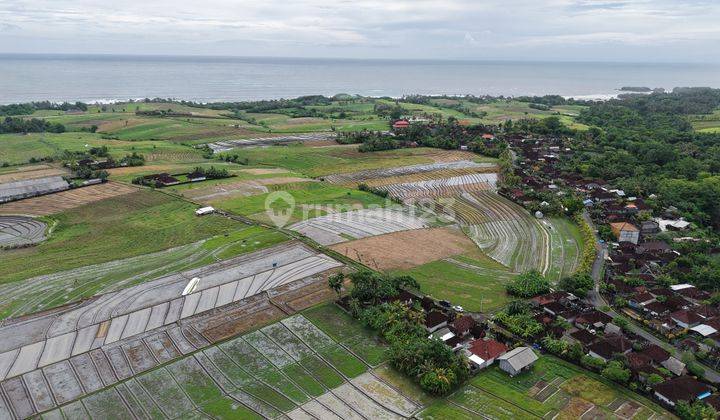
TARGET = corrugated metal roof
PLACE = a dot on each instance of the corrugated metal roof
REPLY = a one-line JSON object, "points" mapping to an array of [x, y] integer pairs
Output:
{"points": [[519, 357]]}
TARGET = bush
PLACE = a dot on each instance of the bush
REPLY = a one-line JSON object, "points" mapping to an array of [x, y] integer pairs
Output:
{"points": [[588, 238], [529, 284], [616, 372], [654, 379], [522, 325], [695, 369], [578, 284], [592, 363]]}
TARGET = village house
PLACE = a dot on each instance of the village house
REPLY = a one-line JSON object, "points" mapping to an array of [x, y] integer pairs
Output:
{"points": [[625, 232], [593, 319], [462, 325], [434, 320], [685, 318], [609, 346], [682, 388], [649, 227], [401, 125], [482, 353], [163, 179], [517, 360]]}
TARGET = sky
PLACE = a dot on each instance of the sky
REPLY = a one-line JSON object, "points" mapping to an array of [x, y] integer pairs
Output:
{"points": [[554, 30]]}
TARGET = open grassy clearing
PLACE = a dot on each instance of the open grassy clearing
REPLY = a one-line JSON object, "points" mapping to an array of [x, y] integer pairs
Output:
{"points": [[706, 123], [313, 161], [323, 195], [551, 388], [127, 174], [344, 329], [179, 129], [120, 227], [48, 291], [19, 148], [473, 281]]}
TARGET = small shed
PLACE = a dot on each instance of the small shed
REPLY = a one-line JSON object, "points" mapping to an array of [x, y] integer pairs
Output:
{"points": [[204, 210], [517, 360]]}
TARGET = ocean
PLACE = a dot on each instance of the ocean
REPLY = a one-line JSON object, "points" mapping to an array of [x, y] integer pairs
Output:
{"points": [[98, 78]]}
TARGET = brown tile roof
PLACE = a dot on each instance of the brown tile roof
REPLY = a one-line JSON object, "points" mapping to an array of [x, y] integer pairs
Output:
{"points": [[610, 345], [463, 323], [623, 226], [592, 317], [435, 318], [656, 353], [583, 336], [682, 388], [686, 316]]}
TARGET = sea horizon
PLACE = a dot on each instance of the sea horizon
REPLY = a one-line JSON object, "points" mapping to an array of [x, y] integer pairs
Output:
{"points": [[107, 78]]}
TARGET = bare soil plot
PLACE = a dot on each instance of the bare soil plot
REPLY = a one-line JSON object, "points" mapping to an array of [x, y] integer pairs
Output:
{"points": [[407, 249], [66, 200], [264, 171], [451, 155], [40, 171], [129, 170], [239, 189]]}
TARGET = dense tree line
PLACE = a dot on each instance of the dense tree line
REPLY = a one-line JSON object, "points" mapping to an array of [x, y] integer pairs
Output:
{"points": [[429, 361], [30, 107], [645, 144], [31, 125], [295, 107]]}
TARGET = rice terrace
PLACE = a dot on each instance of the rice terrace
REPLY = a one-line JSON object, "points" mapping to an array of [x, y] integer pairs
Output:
{"points": [[313, 258]]}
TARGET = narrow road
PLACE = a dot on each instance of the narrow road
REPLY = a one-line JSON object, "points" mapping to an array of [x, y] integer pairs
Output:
{"points": [[595, 298]]}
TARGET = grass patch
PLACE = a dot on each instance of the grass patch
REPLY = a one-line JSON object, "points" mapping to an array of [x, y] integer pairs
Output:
{"points": [[343, 361], [322, 371], [338, 159], [310, 385], [589, 390], [227, 408], [19, 148], [312, 195], [116, 228], [476, 285], [343, 329], [406, 385]]}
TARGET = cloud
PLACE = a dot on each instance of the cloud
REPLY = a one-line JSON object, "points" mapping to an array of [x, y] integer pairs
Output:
{"points": [[516, 29]]}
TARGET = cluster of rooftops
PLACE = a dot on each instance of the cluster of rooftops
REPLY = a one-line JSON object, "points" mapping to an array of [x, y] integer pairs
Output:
{"points": [[602, 339]]}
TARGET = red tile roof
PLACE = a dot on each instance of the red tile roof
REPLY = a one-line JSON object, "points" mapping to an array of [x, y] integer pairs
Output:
{"points": [[487, 349]]}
